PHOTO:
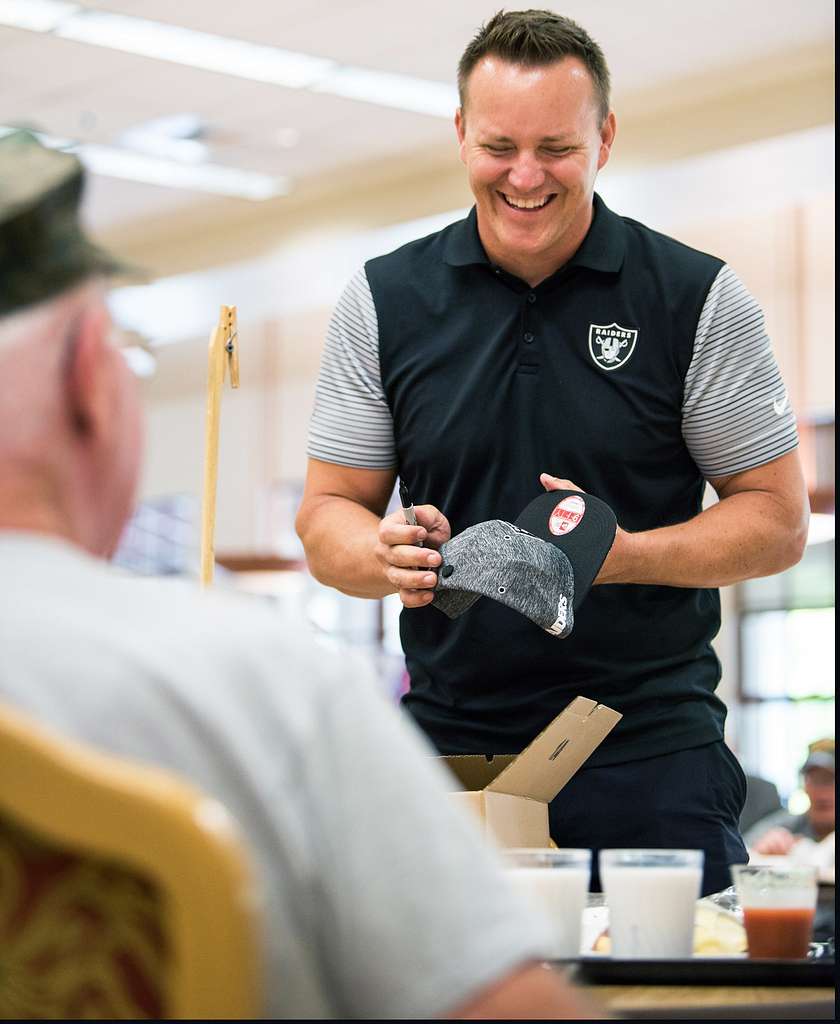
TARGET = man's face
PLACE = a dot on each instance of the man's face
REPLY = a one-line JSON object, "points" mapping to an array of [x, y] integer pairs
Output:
{"points": [[532, 142], [819, 785]]}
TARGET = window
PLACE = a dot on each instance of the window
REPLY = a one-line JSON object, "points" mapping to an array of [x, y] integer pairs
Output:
{"points": [[160, 539], [787, 666]]}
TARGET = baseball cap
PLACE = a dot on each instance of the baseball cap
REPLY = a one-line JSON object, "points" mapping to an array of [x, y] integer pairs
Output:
{"points": [[577, 524], [820, 755], [43, 249], [500, 560]]}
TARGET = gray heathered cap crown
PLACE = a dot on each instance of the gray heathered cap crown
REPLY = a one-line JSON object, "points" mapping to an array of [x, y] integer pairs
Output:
{"points": [[499, 560]]}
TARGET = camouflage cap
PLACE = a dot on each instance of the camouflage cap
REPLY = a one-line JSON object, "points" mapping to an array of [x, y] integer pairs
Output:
{"points": [[43, 249]]}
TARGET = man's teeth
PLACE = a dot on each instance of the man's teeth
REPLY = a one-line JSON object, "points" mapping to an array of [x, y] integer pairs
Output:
{"points": [[526, 204]]}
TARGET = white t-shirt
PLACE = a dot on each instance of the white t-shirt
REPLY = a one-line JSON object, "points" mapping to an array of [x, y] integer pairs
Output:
{"points": [[381, 900]]}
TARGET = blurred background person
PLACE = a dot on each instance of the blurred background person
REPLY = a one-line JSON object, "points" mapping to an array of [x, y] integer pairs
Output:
{"points": [[780, 832]]}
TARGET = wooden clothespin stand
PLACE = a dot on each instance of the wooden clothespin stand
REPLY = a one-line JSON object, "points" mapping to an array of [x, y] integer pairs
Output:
{"points": [[224, 351]]}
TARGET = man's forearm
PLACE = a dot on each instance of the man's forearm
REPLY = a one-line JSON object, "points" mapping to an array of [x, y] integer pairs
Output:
{"points": [[339, 537], [746, 535]]}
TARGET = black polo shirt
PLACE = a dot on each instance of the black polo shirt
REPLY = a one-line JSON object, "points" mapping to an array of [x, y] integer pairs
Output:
{"points": [[491, 382]]}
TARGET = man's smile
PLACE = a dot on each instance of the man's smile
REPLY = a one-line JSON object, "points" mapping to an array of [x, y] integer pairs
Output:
{"points": [[515, 203]]}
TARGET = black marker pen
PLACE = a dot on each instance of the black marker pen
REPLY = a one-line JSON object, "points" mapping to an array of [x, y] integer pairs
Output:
{"points": [[408, 509]]}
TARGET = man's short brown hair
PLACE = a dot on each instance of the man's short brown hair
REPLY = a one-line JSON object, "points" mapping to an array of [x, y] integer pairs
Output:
{"points": [[536, 39]]}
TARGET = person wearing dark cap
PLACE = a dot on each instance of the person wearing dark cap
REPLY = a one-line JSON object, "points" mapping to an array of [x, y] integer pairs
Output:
{"points": [[546, 342], [327, 784], [778, 833]]}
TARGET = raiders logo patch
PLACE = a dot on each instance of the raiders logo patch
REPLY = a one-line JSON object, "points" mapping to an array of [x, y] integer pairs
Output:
{"points": [[611, 345]]}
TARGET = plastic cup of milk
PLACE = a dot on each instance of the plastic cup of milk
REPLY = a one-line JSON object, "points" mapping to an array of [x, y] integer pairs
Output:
{"points": [[555, 882], [779, 903], [652, 897]]}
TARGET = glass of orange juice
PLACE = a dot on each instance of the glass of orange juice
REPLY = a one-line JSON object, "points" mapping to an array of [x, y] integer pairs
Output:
{"points": [[778, 901]]}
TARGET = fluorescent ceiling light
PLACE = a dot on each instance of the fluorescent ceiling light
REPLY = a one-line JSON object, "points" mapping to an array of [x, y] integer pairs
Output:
{"points": [[141, 362], [227, 56], [225, 181], [400, 91], [174, 137], [185, 151], [195, 49], [214, 178], [35, 15]]}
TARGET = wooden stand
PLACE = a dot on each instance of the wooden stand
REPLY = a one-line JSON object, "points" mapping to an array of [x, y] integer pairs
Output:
{"points": [[223, 351]]}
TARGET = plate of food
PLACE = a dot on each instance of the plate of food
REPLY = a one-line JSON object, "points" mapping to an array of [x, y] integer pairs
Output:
{"points": [[718, 931]]}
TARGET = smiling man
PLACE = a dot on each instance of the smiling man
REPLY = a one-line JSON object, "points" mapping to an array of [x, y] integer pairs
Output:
{"points": [[547, 341], [533, 140]]}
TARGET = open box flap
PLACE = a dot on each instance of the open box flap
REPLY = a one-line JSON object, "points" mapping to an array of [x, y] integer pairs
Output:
{"points": [[547, 764]]}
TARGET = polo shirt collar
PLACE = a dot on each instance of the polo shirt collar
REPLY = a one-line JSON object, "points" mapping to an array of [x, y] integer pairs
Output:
{"points": [[602, 249], [463, 246]]}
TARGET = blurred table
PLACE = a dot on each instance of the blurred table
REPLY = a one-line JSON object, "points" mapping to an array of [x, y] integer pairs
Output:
{"points": [[735, 1001]]}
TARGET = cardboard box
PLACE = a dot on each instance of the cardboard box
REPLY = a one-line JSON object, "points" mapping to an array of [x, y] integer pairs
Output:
{"points": [[510, 793]]}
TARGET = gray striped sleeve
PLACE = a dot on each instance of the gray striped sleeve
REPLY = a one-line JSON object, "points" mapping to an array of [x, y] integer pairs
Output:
{"points": [[351, 423], [736, 411]]}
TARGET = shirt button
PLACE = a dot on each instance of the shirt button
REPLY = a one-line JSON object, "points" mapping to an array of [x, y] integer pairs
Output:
{"points": [[532, 297], [447, 571], [497, 270], [528, 338]]}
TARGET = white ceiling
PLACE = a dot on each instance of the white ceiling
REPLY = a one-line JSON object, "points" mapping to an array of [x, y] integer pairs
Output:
{"points": [[93, 94]]}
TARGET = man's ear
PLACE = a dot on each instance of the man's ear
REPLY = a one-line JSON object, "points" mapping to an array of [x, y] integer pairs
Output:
{"points": [[608, 129], [460, 126], [87, 379]]}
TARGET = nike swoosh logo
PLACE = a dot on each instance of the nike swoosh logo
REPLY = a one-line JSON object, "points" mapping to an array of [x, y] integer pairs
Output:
{"points": [[779, 405]]}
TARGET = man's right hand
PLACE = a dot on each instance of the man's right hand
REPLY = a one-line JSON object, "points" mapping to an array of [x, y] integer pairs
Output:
{"points": [[410, 569]]}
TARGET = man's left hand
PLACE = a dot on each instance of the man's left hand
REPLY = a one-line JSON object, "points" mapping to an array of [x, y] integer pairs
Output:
{"points": [[610, 571]]}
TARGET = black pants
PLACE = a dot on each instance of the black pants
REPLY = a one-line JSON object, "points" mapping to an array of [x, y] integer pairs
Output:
{"points": [[690, 800]]}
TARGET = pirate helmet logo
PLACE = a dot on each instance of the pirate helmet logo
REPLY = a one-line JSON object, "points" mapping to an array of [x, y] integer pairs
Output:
{"points": [[611, 345]]}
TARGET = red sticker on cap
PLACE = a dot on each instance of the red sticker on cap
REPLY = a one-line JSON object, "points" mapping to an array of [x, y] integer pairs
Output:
{"points": [[566, 515]]}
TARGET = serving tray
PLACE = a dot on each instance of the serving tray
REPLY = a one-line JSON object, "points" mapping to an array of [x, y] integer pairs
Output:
{"points": [[702, 970]]}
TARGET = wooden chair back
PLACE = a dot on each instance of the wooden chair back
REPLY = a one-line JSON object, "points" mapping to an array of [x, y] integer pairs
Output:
{"points": [[124, 892]]}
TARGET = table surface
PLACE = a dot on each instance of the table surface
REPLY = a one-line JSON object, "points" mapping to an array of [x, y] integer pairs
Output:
{"points": [[638, 997]]}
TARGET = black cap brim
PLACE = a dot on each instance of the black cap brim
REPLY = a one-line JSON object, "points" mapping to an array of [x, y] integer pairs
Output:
{"points": [[581, 525]]}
